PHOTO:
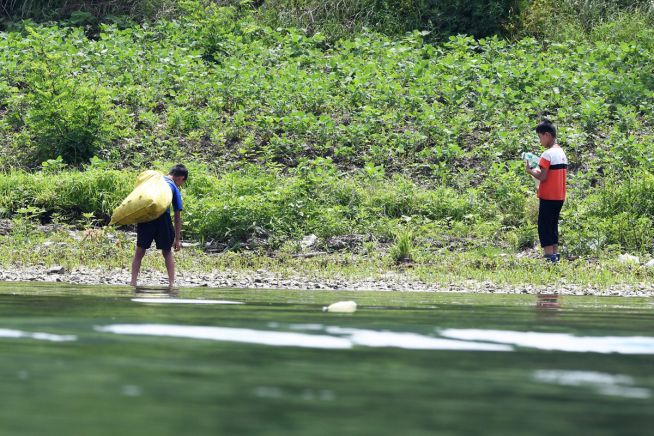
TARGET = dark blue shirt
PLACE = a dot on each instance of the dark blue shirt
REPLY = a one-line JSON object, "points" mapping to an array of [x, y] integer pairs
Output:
{"points": [[177, 196]]}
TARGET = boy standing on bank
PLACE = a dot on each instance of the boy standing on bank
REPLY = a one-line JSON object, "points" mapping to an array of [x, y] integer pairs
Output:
{"points": [[552, 173], [161, 229]]}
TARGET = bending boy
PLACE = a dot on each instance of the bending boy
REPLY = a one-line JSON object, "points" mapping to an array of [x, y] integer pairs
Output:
{"points": [[552, 173], [161, 229]]}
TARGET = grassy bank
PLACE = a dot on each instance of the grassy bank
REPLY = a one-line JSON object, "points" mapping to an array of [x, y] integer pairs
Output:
{"points": [[271, 211], [469, 268]]}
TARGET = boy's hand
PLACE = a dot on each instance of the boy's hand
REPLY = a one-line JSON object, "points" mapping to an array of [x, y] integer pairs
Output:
{"points": [[533, 171], [536, 173], [177, 245]]}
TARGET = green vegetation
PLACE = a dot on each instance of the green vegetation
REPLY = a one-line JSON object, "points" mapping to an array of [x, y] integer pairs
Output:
{"points": [[598, 20], [220, 88], [403, 248], [28, 244], [335, 19], [85, 12], [263, 209], [405, 141]]}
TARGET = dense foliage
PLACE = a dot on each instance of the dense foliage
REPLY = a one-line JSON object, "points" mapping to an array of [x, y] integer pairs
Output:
{"points": [[335, 19], [267, 209], [291, 134], [220, 88], [85, 12]]}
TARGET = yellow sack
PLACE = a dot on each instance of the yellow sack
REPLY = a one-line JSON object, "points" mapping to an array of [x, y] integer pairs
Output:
{"points": [[148, 201]]}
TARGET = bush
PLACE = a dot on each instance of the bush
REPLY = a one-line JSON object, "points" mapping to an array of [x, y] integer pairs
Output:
{"points": [[506, 189], [66, 116], [236, 206], [337, 19], [69, 122], [596, 20], [480, 18], [67, 193], [80, 12], [619, 215]]}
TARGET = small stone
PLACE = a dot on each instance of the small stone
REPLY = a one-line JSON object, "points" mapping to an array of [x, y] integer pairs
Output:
{"points": [[308, 241], [57, 269]]}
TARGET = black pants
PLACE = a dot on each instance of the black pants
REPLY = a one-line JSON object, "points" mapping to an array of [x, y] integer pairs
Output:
{"points": [[160, 230], [548, 221]]}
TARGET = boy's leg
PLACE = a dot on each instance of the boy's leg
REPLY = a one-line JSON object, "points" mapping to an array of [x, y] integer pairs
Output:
{"points": [[136, 264], [557, 215], [170, 266], [165, 238], [144, 236], [547, 223]]}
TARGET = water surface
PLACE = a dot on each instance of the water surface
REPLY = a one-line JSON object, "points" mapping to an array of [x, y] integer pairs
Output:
{"points": [[107, 361]]}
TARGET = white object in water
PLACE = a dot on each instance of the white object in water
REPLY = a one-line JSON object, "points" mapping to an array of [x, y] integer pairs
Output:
{"points": [[341, 307]]}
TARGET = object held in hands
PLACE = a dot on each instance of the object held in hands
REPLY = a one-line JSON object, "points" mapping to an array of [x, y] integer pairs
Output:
{"points": [[531, 158]]}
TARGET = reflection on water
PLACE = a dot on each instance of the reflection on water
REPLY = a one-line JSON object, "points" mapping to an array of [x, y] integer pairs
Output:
{"points": [[558, 341], [228, 334], [410, 341], [165, 295], [154, 292], [603, 383], [275, 392], [183, 301], [344, 338], [548, 302], [18, 334]]}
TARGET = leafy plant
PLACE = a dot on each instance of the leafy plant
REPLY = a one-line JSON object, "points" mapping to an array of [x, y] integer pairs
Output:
{"points": [[403, 246]]}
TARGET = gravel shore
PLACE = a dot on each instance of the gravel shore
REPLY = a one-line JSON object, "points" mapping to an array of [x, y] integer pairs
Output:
{"points": [[263, 279]]}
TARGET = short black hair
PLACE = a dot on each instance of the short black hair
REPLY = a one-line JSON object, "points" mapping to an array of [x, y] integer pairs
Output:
{"points": [[179, 170], [546, 126]]}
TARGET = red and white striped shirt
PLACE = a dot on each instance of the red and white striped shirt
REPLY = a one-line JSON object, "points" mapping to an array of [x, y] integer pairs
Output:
{"points": [[555, 162]]}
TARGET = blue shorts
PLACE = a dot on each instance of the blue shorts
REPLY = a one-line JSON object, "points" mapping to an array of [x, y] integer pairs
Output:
{"points": [[159, 230]]}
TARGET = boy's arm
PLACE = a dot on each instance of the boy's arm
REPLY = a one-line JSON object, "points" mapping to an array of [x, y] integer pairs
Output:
{"points": [[539, 173], [178, 230]]}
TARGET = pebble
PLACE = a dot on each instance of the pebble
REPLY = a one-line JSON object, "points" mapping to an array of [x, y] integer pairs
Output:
{"points": [[57, 269], [265, 279]]}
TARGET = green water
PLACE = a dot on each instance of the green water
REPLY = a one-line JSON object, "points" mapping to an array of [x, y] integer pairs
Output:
{"points": [[104, 361]]}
